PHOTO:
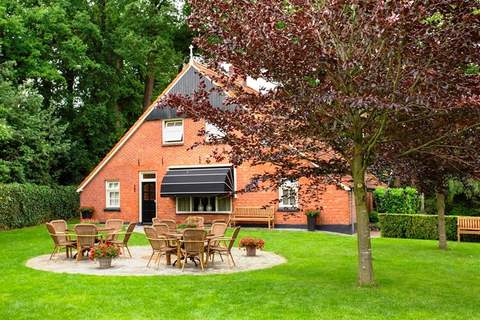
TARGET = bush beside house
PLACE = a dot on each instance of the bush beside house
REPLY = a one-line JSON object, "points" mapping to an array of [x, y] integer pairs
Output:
{"points": [[397, 200], [415, 226], [24, 205]]}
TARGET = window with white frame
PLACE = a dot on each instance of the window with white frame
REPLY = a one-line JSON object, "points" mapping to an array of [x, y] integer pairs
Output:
{"points": [[212, 132], [288, 195], [173, 131], [213, 204], [112, 190]]}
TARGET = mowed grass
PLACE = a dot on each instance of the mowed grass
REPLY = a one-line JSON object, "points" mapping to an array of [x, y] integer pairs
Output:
{"points": [[415, 281]]}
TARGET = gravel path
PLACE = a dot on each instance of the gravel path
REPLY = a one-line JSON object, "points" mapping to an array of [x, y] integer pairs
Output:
{"points": [[136, 266]]}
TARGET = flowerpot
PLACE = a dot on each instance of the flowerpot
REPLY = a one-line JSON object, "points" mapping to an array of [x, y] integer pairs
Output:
{"points": [[251, 251], [105, 262], [87, 215], [311, 223]]}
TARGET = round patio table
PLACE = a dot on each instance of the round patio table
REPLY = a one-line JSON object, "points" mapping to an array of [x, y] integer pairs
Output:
{"points": [[178, 237]]}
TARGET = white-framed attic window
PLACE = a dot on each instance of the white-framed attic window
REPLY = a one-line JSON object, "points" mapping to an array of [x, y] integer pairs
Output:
{"points": [[212, 132], [172, 132]]}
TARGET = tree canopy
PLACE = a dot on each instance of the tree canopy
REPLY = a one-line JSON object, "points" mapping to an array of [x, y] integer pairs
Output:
{"points": [[348, 74], [93, 65]]}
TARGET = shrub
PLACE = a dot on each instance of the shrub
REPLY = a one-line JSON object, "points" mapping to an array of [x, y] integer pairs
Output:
{"points": [[373, 216], [312, 213], [24, 205], [397, 200], [415, 226], [86, 212]]}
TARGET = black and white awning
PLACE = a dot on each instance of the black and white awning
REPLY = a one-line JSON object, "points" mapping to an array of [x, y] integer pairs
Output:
{"points": [[198, 181]]}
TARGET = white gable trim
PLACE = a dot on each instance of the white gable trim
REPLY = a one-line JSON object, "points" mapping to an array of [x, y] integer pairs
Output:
{"points": [[131, 131]]}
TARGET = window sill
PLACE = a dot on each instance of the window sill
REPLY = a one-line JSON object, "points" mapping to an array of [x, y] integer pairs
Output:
{"points": [[172, 144], [112, 209], [204, 212], [286, 209]]}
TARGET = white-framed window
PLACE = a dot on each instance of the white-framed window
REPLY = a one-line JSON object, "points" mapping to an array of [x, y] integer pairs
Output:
{"points": [[212, 132], [207, 204], [172, 131], [288, 194], [112, 192]]}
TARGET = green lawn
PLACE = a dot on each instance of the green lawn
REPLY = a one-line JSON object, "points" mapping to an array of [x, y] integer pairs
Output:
{"points": [[415, 281]]}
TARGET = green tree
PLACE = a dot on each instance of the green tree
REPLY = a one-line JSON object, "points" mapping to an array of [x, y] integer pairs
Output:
{"points": [[31, 137]]}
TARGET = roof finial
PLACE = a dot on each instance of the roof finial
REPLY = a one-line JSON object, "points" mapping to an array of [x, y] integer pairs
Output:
{"points": [[191, 53]]}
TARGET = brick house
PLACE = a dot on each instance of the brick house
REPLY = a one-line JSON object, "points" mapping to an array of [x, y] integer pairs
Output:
{"points": [[150, 172]]}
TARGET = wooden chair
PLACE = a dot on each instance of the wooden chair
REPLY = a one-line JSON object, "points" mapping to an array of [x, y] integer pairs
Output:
{"points": [[161, 228], [193, 245], [467, 225], [160, 246], [226, 248], [218, 229], [116, 225], [172, 225], [60, 240], [61, 227], [86, 236], [126, 237], [196, 220]]}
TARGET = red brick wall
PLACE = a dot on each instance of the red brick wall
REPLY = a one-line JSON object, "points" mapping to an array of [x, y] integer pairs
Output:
{"points": [[144, 152]]}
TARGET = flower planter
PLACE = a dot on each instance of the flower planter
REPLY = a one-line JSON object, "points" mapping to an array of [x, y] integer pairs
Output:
{"points": [[311, 223], [251, 251], [105, 262]]}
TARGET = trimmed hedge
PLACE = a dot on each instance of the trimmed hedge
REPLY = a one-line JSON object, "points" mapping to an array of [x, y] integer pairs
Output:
{"points": [[24, 205], [415, 226], [397, 200]]}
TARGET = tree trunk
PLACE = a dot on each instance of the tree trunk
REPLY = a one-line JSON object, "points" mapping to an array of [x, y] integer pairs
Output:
{"points": [[365, 268], [147, 95], [442, 234]]}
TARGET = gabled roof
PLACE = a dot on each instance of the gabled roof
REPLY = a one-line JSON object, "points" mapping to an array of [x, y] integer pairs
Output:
{"points": [[152, 113]]}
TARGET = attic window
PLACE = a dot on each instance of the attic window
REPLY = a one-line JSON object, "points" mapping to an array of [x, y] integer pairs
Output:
{"points": [[212, 132], [173, 131]]}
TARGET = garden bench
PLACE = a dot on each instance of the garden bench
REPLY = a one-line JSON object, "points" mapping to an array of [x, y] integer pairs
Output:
{"points": [[253, 214], [468, 225]]}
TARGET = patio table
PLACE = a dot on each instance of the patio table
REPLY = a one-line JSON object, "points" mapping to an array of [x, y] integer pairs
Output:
{"points": [[178, 236]]}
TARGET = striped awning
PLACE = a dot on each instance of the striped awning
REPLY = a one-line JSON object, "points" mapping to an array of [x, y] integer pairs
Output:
{"points": [[198, 181]]}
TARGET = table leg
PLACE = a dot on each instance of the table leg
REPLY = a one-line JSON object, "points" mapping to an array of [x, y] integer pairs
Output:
{"points": [[169, 259]]}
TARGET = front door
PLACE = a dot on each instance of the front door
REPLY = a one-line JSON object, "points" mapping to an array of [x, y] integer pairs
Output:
{"points": [[149, 208]]}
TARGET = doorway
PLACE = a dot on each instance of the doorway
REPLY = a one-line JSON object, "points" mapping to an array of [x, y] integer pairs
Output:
{"points": [[148, 196]]}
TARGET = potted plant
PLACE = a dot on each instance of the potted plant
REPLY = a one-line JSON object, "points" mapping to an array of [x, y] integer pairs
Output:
{"points": [[251, 245], [187, 225], [104, 253], [86, 212], [311, 219]]}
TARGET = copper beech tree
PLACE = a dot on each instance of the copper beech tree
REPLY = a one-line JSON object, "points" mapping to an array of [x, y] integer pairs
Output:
{"points": [[345, 73]]}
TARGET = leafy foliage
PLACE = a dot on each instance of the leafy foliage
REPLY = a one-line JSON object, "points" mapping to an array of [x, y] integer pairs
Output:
{"points": [[356, 82], [32, 139], [397, 200], [24, 205], [415, 226], [88, 62]]}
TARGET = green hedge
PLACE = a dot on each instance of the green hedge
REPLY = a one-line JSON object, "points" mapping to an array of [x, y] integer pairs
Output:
{"points": [[24, 205], [415, 226], [396, 200]]}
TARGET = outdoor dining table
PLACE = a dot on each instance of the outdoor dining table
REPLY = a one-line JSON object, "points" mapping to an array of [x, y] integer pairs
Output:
{"points": [[101, 232], [178, 237]]}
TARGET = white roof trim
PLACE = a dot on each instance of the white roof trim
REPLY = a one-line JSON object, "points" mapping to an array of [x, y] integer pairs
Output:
{"points": [[131, 131]]}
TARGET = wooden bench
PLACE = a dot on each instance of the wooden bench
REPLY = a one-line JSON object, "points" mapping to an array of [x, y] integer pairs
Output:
{"points": [[467, 225], [253, 214]]}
